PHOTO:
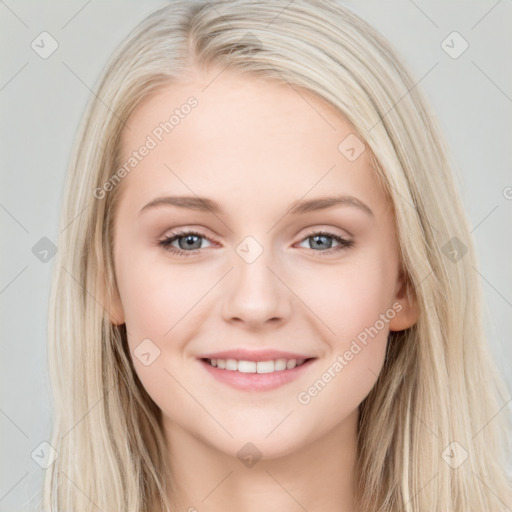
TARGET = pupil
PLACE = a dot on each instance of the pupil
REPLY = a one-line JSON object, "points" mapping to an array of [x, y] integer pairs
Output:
{"points": [[189, 241], [319, 243]]}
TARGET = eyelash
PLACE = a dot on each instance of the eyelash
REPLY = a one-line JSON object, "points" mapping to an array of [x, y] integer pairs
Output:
{"points": [[166, 242]]}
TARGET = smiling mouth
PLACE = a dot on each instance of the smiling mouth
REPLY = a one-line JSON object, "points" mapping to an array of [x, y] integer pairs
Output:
{"points": [[271, 366]]}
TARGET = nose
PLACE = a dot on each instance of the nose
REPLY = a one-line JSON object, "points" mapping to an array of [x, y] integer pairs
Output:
{"points": [[256, 295]]}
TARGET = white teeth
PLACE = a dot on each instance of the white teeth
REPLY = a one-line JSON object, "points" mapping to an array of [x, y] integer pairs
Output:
{"points": [[231, 364], [265, 366], [256, 367], [247, 366], [280, 364], [292, 363]]}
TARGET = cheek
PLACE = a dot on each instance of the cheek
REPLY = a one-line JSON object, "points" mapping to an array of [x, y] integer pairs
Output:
{"points": [[355, 305], [154, 293], [349, 298], [155, 300], [143, 299]]}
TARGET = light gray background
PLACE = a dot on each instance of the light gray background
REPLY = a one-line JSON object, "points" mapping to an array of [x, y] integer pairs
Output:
{"points": [[42, 101]]}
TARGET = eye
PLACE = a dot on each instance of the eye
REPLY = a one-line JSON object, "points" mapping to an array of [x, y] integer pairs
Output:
{"points": [[320, 240], [189, 242]]}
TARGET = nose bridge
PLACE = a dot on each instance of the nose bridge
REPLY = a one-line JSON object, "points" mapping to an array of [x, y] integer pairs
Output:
{"points": [[255, 293]]}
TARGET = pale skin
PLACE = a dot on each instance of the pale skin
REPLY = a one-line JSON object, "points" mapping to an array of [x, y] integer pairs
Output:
{"points": [[255, 147]]}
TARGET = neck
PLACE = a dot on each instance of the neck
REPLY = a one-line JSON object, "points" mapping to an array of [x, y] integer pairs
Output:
{"points": [[316, 476]]}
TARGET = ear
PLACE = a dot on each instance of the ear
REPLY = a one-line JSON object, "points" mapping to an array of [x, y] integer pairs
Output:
{"points": [[408, 311], [111, 301], [115, 309]]}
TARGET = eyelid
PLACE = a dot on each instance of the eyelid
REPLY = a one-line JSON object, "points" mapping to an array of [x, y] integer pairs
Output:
{"points": [[180, 233], [343, 242], [325, 228], [198, 232], [165, 243]]}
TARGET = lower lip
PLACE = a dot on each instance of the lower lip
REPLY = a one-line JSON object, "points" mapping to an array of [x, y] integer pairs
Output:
{"points": [[256, 381]]}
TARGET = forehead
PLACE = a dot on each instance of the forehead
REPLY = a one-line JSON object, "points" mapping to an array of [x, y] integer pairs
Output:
{"points": [[246, 138]]}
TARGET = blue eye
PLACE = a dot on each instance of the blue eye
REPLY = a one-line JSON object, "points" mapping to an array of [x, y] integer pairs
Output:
{"points": [[189, 242], [319, 242]]}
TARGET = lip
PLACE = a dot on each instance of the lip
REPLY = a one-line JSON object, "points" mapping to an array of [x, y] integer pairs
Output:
{"points": [[256, 381], [254, 355]]}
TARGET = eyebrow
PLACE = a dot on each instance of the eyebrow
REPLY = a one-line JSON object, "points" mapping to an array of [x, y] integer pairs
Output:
{"points": [[203, 204]]}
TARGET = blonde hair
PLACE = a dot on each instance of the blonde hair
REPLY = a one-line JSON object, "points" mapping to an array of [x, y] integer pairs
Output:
{"points": [[439, 384]]}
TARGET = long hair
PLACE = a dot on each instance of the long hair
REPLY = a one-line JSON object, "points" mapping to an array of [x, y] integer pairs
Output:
{"points": [[430, 434]]}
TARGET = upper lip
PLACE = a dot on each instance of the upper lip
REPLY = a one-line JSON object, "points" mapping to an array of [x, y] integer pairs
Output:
{"points": [[254, 355]]}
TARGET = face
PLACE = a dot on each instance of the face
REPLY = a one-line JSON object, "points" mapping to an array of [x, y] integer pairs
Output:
{"points": [[249, 271]]}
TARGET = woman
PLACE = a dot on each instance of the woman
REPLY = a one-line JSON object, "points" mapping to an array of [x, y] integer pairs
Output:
{"points": [[206, 350]]}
